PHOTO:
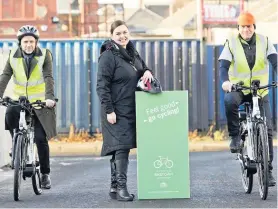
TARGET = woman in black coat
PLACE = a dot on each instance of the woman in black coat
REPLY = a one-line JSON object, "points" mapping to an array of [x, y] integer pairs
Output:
{"points": [[119, 69]]}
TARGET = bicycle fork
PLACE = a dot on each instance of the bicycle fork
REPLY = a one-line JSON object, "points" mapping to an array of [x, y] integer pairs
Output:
{"points": [[250, 141], [31, 148]]}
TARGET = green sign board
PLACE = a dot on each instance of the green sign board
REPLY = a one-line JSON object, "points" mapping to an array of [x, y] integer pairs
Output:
{"points": [[162, 145]]}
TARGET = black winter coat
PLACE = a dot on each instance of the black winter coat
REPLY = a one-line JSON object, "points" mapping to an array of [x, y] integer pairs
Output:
{"points": [[119, 70]]}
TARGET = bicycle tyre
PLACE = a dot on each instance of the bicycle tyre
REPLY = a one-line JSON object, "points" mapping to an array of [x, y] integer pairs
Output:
{"points": [[262, 155], [247, 181], [157, 164], [169, 164], [17, 167], [36, 182], [36, 178]]}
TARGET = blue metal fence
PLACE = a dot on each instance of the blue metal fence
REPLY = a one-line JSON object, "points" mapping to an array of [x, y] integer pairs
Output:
{"points": [[176, 64]]}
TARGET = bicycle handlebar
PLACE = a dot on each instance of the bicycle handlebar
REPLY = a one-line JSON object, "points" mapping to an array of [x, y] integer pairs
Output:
{"points": [[239, 86], [6, 101]]}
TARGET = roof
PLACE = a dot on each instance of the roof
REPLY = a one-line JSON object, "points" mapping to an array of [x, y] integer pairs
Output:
{"points": [[103, 25], [162, 10], [143, 19], [265, 11], [182, 18]]}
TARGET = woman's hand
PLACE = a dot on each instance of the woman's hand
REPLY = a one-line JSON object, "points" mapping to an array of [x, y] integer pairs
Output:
{"points": [[111, 118], [147, 77]]}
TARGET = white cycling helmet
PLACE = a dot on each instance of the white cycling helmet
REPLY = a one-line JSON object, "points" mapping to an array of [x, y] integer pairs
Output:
{"points": [[28, 30]]}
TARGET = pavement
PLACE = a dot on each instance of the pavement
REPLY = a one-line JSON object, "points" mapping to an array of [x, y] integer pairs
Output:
{"points": [[83, 182], [58, 148]]}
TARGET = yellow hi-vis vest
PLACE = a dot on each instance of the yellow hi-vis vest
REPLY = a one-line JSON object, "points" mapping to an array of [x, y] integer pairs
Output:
{"points": [[239, 69], [34, 87]]}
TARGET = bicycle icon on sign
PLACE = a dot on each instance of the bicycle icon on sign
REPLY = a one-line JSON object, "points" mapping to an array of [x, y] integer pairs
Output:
{"points": [[163, 161]]}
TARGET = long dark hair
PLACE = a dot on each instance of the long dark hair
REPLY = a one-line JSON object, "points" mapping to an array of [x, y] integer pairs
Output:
{"points": [[116, 24]]}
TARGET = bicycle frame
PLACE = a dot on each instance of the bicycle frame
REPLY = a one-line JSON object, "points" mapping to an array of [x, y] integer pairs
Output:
{"points": [[26, 129], [253, 116]]}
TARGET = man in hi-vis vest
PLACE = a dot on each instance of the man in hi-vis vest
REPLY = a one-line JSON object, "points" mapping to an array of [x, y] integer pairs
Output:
{"points": [[245, 58], [31, 68]]}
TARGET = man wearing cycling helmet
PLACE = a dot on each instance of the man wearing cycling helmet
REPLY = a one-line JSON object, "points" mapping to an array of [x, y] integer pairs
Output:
{"points": [[245, 58], [31, 69]]}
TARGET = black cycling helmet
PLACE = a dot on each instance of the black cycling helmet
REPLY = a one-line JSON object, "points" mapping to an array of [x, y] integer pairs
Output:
{"points": [[150, 87], [28, 30]]}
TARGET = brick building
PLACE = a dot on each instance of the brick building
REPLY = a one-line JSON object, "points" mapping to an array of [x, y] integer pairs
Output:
{"points": [[76, 17]]}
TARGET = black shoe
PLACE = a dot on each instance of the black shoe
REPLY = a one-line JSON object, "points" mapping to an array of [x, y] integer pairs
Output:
{"points": [[235, 144], [113, 187], [121, 176], [12, 162], [46, 182], [271, 179]]}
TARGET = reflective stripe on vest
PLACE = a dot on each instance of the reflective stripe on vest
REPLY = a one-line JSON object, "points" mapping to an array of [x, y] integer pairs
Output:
{"points": [[34, 87], [239, 69]]}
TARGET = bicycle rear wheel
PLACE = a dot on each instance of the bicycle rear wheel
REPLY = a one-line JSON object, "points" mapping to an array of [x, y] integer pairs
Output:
{"points": [[17, 167], [262, 156], [36, 182]]}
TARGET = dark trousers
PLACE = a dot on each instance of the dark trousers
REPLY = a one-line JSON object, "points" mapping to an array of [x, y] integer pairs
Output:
{"points": [[12, 119], [232, 102]]}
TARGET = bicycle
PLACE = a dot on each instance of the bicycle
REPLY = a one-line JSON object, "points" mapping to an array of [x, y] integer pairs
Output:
{"points": [[254, 151], [24, 159], [163, 161]]}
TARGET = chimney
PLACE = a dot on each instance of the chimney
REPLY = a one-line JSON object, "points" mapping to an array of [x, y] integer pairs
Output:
{"points": [[171, 9], [142, 4]]}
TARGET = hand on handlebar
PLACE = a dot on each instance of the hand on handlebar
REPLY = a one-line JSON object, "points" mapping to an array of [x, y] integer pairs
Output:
{"points": [[50, 103], [227, 86]]}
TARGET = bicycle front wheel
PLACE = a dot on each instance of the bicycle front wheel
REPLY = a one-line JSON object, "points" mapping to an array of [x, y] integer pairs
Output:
{"points": [[17, 167], [262, 156], [246, 177]]}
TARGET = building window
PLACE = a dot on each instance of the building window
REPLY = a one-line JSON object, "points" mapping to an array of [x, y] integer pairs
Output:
{"points": [[5, 2], [13, 9], [6, 15]]}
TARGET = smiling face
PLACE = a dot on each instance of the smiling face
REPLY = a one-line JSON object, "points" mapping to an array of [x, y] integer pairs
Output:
{"points": [[246, 31], [121, 35]]}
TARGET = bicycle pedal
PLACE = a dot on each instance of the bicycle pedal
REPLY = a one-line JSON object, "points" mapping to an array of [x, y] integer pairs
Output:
{"points": [[11, 165]]}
